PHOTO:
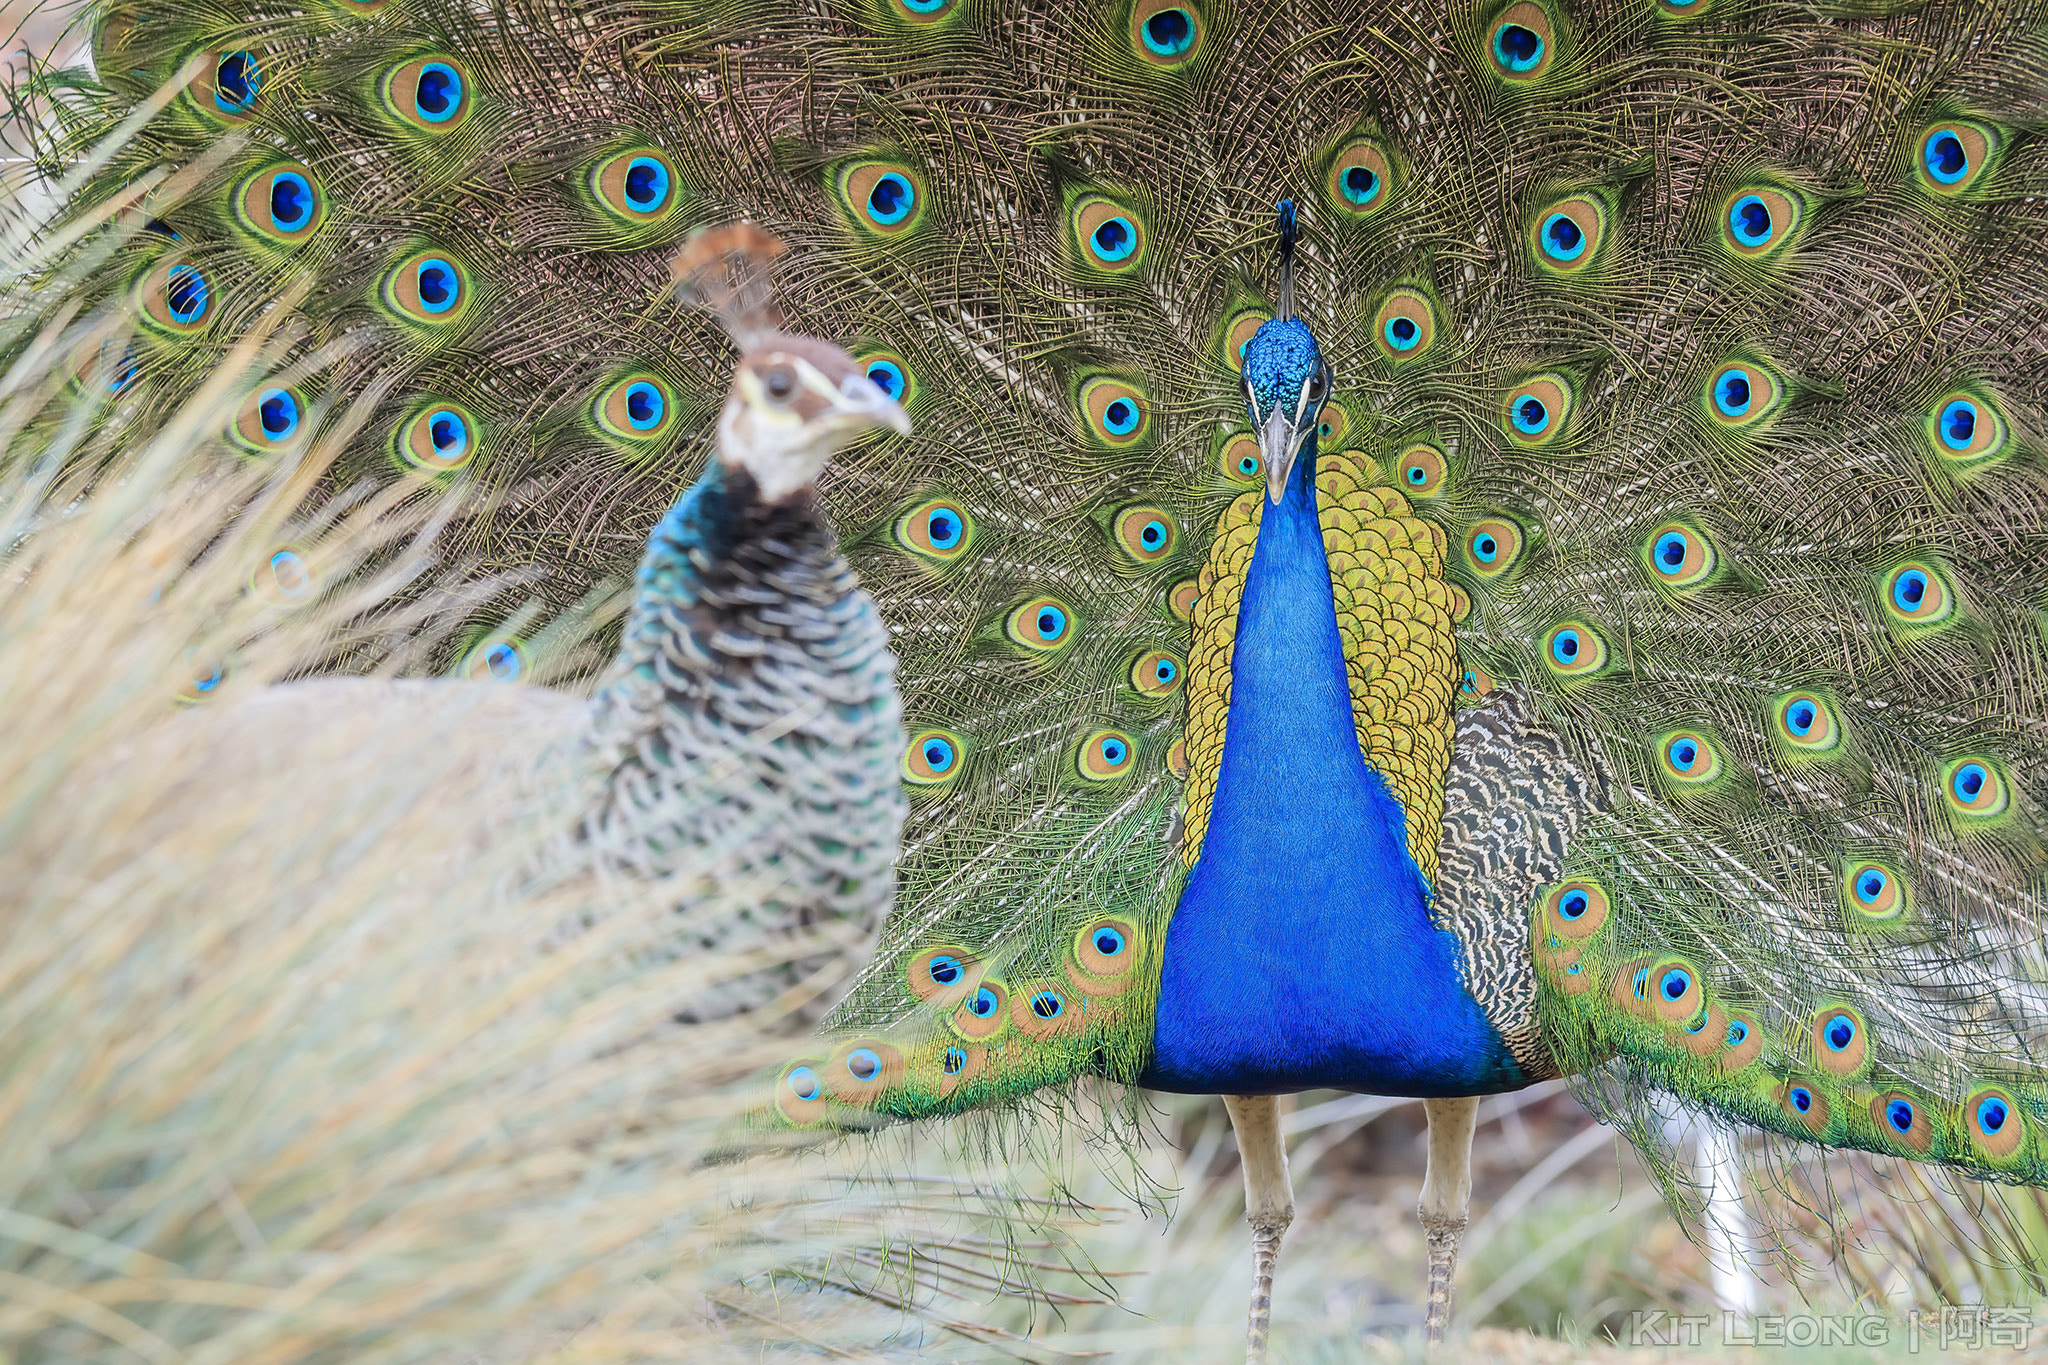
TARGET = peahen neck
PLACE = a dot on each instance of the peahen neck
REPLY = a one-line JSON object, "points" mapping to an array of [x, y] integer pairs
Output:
{"points": [[1302, 954]]}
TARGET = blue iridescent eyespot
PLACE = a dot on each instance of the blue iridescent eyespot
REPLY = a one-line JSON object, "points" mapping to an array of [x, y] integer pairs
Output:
{"points": [[1675, 983], [1946, 159], [1731, 392], [1802, 1098], [942, 528], [1738, 1033], [1873, 893], [277, 412], [439, 438], [1680, 555], [1156, 673], [1165, 33], [1043, 624], [646, 184], [863, 1064], [1687, 758], [1106, 754], [946, 969], [1799, 718], [1900, 1115], [1359, 184], [1529, 415], [1108, 941], [1120, 417], [1048, 1005], [1958, 424], [1572, 648], [1572, 904], [803, 1083], [1750, 220], [1991, 1114], [1564, 648], [291, 201], [983, 1003], [1669, 555], [1683, 753], [937, 754], [883, 197], [1535, 411], [1111, 235], [185, 294], [501, 661], [1562, 238], [1839, 1032], [1519, 41], [438, 285], [1909, 589], [937, 529], [439, 93], [955, 1060], [890, 199], [1493, 545], [645, 406], [1968, 781], [237, 81], [887, 376], [1359, 181]]}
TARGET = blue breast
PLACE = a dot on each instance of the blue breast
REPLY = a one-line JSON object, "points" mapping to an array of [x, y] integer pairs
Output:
{"points": [[1301, 954]]}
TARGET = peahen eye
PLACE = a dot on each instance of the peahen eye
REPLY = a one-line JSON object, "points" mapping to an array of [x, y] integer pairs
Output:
{"points": [[780, 383]]}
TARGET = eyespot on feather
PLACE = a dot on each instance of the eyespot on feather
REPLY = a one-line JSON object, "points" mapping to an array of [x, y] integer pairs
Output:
{"points": [[282, 203], [1360, 179], [1759, 221], [1805, 1105], [1177, 759], [1236, 332], [1105, 952], [1742, 1042], [1335, 423], [892, 374], [177, 296], [1675, 990], [1522, 42], [1146, 534], [884, 199], [1951, 156], [1492, 546], [428, 94], [1688, 758], [1114, 412], [1573, 649], [1874, 893], [1742, 394], [1904, 1120], [938, 529], [499, 659], [1166, 33], [1158, 673], [1561, 965], [1041, 1010], [635, 186], [1405, 326], [635, 409], [1575, 909], [1840, 1040], [1537, 411], [1110, 236], [273, 419], [1182, 598], [1806, 722], [284, 576], [1043, 624], [1679, 556], [800, 1093], [862, 1071], [429, 287], [1705, 1034], [1916, 595], [229, 86], [1631, 988], [1967, 429], [1420, 471], [1974, 787], [437, 438], [1239, 461], [984, 1011], [1995, 1123], [1566, 235], [934, 758], [958, 1066], [943, 975], [1106, 755]]}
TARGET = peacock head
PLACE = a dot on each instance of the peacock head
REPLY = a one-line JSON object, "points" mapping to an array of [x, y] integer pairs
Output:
{"points": [[1285, 378], [794, 402]]}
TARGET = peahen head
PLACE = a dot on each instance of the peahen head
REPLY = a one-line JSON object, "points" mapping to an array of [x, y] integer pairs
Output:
{"points": [[1285, 379], [795, 400]]}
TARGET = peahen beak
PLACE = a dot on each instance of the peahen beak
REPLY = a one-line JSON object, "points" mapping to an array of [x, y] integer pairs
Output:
{"points": [[1279, 445], [860, 405]]}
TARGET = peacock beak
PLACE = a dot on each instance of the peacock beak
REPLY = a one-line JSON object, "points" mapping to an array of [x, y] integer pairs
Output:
{"points": [[860, 405], [1279, 444]]}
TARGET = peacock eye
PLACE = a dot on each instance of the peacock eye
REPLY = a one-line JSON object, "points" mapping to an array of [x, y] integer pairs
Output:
{"points": [[780, 383]]}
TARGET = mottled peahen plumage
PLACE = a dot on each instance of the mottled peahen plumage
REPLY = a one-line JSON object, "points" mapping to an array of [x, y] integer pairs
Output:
{"points": [[1587, 619]]}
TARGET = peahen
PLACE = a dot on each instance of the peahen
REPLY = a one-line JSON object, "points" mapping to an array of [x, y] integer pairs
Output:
{"points": [[1581, 614]]}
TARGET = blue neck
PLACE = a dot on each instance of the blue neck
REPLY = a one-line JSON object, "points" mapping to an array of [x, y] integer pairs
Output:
{"points": [[1302, 954]]}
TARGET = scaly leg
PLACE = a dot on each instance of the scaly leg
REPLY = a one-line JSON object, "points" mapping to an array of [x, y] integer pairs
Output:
{"points": [[1268, 1204], [1446, 1200]]}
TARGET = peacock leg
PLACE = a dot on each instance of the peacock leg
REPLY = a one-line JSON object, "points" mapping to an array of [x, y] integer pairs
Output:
{"points": [[1446, 1200], [1268, 1204]]}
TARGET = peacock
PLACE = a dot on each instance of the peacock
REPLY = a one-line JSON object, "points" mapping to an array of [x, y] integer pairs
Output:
{"points": [[1445, 544]]}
